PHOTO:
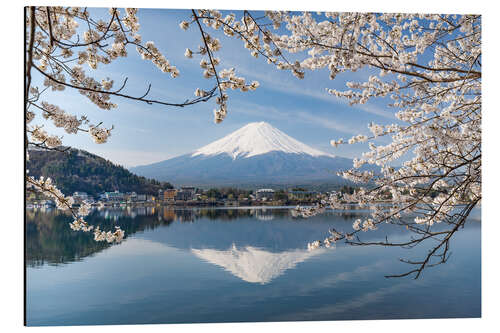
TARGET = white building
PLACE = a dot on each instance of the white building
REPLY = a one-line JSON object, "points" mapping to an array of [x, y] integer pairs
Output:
{"points": [[264, 193], [81, 197], [113, 196]]}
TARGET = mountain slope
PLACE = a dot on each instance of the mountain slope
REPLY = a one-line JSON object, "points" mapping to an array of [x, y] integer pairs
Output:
{"points": [[255, 154], [273, 168], [78, 170]]}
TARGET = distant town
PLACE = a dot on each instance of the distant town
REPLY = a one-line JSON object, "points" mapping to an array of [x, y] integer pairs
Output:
{"points": [[192, 196]]}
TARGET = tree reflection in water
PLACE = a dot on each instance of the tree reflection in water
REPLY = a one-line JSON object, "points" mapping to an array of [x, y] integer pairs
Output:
{"points": [[50, 241]]}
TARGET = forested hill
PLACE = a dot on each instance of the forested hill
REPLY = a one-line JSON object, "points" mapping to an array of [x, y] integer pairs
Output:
{"points": [[78, 170]]}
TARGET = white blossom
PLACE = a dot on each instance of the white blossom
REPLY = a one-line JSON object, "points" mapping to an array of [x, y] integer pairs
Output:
{"points": [[184, 25], [436, 99], [100, 135]]}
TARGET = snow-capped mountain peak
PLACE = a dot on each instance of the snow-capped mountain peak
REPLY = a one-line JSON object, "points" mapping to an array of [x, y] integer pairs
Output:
{"points": [[255, 139], [257, 153]]}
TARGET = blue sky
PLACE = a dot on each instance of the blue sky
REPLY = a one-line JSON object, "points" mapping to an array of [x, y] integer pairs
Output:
{"points": [[145, 133]]}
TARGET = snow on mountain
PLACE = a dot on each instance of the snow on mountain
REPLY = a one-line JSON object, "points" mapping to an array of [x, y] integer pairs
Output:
{"points": [[257, 139], [255, 265]]}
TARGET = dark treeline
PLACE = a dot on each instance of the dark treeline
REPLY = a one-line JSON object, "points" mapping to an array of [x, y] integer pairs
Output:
{"points": [[227, 193], [77, 170], [50, 240]]}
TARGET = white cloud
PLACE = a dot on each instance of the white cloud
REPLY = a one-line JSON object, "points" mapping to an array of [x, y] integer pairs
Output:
{"points": [[327, 123], [298, 115], [275, 81]]}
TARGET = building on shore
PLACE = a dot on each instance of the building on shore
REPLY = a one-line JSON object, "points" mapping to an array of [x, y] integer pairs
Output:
{"points": [[80, 197], [185, 193], [182, 195], [264, 194], [115, 196], [190, 190], [295, 194], [130, 197], [169, 195]]}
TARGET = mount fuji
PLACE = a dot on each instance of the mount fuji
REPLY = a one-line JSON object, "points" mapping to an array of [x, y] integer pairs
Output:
{"points": [[257, 153]]}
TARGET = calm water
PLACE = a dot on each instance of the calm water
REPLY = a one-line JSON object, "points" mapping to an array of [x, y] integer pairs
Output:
{"points": [[232, 265]]}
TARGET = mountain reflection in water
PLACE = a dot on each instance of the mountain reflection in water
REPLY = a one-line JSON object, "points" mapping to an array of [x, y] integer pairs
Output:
{"points": [[51, 241], [234, 264], [255, 265]]}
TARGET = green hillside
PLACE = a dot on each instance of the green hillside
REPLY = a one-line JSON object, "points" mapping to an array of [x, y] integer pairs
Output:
{"points": [[78, 170]]}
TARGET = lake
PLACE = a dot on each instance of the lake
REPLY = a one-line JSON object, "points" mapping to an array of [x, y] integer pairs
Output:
{"points": [[201, 265]]}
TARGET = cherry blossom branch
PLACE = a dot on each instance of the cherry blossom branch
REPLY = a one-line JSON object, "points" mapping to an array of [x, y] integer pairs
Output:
{"points": [[209, 52], [116, 93]]}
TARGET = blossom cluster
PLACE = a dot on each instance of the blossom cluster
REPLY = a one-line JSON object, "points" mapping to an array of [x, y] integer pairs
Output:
{"points": [[100, 135], [79, 224], [91, 88], [330, 241], [48, 188], [151, 52], [109, 236], [41, 137], [437, 101], [226, 78], [60, 118]]}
